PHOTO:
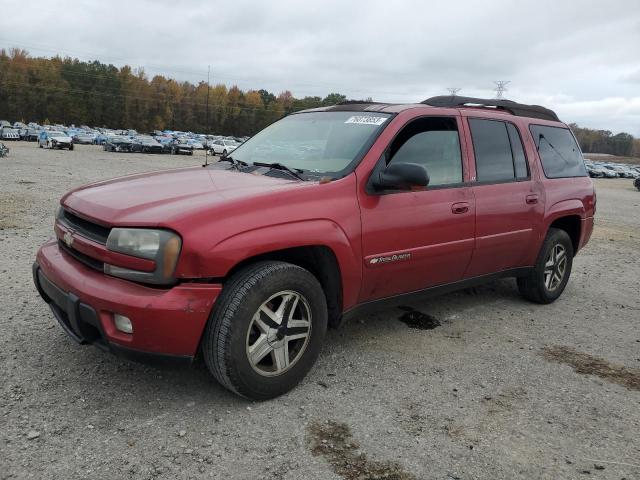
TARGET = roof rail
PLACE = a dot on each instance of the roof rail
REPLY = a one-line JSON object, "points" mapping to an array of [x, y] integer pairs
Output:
{"points": [[518, 109], [360, 102]]}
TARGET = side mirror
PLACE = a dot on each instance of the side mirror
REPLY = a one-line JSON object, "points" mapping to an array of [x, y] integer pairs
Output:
{"points": [[402, 176]]}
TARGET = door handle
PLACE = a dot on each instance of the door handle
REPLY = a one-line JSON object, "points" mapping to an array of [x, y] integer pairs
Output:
{"points": [[460, 207], [532, 199]]}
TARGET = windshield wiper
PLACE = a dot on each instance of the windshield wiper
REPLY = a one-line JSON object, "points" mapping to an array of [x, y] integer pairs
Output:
{"points": [[233, 161], [279, 166]]}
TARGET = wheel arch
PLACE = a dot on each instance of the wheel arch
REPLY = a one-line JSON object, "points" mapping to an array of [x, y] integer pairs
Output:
{"points": [[572, 224], [323, 264]]}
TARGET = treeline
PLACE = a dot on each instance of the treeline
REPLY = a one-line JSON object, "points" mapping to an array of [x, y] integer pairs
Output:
{"points": [[603, 141], [70, 91]]}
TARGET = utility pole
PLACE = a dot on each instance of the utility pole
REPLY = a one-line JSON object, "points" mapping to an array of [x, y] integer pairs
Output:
{"points": [[501, 87], [206, 150], [454, 91]]}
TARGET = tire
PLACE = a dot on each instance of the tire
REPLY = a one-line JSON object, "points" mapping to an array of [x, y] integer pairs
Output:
{"points": [[173, 150], [233, 330], [70, 147], [224, 153], [40, 145], [539, 285]]}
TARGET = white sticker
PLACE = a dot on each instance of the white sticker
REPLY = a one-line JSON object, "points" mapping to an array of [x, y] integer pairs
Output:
{"points": [[366, 120]]}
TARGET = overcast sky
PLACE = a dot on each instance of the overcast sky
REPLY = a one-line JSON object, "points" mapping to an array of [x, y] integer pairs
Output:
{"points": [[580, 58]]}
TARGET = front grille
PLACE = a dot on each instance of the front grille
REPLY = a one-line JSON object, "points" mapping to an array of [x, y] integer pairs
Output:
{"points": [[82, 258], [83, 227]]}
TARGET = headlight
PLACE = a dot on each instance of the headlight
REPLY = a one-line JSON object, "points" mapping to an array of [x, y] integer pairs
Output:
{"points": [[161, 246]]}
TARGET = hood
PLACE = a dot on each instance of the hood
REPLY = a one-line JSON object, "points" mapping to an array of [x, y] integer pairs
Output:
{"points": [[61, 139], [162, 198]]}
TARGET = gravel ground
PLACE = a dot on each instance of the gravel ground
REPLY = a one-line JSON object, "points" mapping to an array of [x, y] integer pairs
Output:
{"points": [[501, 389]]}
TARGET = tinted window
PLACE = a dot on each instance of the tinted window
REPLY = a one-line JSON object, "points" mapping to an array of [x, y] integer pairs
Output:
{"points": [[434, 143], [558, 151], [492, 148], [519, 158]]}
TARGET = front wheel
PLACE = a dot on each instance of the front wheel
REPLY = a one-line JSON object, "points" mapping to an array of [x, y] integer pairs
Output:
{"points": [[266, 330], [549, 277]]}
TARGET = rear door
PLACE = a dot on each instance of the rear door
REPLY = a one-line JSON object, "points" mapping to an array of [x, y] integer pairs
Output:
{"points": [[412, 240], [509, 199]]}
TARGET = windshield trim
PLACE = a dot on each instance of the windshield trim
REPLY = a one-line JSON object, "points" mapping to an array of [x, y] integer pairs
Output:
{"points": [[351, 166]]}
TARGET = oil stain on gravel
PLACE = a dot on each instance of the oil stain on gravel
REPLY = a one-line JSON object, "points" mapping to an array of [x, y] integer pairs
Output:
{"points": [[415, 319], [586, 364], [334, 442]]}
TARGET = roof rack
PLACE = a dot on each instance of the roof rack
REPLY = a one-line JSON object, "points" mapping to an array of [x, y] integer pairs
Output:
{"points": [[518, 109]]}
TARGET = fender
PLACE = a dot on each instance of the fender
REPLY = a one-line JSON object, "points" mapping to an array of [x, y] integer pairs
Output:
{"points": [[564, 208], [226, 254], [572, 206]]}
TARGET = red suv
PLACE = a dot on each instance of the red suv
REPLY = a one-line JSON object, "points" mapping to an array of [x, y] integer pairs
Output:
{"points": [[322, 214]]}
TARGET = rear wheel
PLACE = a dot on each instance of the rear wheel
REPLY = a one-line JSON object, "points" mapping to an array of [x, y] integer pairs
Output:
{"points": [[549, 277], [266, 330]]}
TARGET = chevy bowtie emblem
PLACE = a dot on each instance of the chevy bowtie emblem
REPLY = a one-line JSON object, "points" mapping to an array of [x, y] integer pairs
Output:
{"points": [[68, 239]]}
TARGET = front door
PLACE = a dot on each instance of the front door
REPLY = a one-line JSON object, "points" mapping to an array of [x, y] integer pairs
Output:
{"points": [[417, 239]]}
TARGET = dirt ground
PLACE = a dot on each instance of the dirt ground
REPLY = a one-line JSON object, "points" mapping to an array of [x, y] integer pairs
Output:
{"points": [[492, 387]]}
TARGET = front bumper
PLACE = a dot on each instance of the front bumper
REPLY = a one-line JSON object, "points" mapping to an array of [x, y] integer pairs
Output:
{"points": [[167, 323]]}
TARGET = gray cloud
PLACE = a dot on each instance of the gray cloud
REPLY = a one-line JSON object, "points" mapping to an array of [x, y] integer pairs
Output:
{"points": [[580, 58]]}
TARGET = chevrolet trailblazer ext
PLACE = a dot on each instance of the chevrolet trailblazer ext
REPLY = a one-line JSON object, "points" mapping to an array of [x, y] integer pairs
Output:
{"points": [[248, 260]]}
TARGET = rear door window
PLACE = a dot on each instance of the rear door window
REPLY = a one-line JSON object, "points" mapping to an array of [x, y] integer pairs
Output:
{"points": [[559, 152], [494, 160]]}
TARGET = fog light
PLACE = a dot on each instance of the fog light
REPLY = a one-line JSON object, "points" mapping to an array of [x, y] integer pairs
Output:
{"points": [[123, 323]]}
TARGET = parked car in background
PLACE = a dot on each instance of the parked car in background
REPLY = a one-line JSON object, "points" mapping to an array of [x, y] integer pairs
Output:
{"points": [[180, 146], [32, 134], [101, 138], [117, 143], [55, 139], [223, 146], [9, 133], [84, 138], [145, 144], [196, 144]]}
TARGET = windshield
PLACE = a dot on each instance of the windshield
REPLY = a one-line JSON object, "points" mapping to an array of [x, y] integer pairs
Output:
{"points": [[316, 142], [57, 134]]}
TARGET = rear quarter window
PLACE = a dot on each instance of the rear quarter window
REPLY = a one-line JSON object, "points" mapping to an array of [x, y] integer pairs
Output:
{"points": [[559, 152]]}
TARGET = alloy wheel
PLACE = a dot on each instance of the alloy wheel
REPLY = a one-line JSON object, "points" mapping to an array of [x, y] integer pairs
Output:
{"points": [[555, 267], [278, 333]]}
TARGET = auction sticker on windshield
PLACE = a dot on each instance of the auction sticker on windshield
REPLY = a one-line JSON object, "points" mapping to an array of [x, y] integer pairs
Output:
{"points": [[366, 120]]}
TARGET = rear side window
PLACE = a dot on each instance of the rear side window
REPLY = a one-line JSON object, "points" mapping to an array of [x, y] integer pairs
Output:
{"points": [[519, 158], [497, 150], [558, 152]]}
